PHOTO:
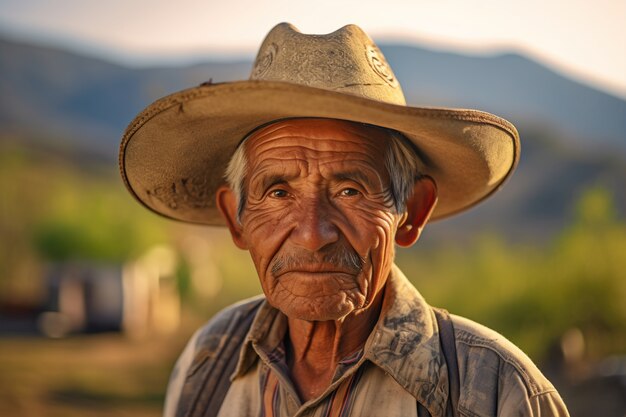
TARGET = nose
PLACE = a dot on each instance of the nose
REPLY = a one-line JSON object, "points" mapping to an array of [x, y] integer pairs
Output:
{"points": [[314, 228]]}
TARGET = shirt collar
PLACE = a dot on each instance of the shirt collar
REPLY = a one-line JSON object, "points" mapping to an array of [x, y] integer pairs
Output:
{"points": [[404, 343], [266, 333]]}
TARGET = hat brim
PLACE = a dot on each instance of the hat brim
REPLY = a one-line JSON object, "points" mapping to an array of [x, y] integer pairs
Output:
{"points": [[174, 154]]}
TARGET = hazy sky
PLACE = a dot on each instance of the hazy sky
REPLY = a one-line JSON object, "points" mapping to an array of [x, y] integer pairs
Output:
{"points": [[585, 39]]}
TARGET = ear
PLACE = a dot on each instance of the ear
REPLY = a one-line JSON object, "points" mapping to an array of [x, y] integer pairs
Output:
{"points": [[227, 205], [418, 210]]}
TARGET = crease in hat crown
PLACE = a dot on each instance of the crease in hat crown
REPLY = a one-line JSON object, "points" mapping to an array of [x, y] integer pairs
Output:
{"points": [[346, 61]]}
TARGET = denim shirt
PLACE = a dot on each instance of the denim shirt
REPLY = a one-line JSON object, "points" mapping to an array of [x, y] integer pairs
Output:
{"points": [[402, 358]]}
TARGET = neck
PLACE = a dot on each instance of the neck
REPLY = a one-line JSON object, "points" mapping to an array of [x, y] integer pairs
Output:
{"points": [[314, 348]]}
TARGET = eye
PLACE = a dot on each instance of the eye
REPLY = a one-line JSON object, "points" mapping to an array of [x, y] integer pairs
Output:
{"points": [[279, 193], [349, 192]]}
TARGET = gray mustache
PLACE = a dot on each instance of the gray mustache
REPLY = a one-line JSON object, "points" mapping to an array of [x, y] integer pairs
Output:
{"points": [[339, 256]]}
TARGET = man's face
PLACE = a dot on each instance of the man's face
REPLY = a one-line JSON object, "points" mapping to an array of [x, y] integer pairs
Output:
{"points": [[319, 220]]}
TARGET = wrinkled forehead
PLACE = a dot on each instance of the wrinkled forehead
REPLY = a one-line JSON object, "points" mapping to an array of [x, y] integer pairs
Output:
{"points": [[291, 138]]}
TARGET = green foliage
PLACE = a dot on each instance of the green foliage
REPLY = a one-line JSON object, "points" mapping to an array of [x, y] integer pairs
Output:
{"points": [[89, 224], [535, 294], [56, 209], [183, 280]]}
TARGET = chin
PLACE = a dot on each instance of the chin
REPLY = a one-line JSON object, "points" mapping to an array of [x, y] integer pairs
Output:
{"points": [[319, 311]]}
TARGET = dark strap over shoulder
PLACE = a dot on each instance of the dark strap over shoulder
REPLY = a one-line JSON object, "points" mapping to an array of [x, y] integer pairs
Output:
{"points": [[448, 346], [208, 379]]}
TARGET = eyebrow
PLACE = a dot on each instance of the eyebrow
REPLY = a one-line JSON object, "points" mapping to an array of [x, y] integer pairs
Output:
{"points": [[281, 178], [357, 176], [273, 179]]}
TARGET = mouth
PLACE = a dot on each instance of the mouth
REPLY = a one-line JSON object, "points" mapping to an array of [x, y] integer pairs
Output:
{"points": [[316, 270]]}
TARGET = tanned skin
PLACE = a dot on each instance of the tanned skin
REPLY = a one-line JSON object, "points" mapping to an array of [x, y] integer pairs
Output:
{"points": [[320, 225]]}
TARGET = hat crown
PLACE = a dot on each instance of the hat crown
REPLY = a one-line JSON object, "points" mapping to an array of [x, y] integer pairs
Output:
{"points": [[346, 61]]}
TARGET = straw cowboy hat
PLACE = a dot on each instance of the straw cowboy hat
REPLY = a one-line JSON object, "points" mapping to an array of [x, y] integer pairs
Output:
{"points": [[174, 154]]}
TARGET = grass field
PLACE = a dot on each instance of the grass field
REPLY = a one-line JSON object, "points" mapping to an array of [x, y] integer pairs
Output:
{"points": [[95, 375]]}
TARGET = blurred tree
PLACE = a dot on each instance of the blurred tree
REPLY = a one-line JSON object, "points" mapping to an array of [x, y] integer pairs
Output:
{"points": [[534, 295], [55, 208]]}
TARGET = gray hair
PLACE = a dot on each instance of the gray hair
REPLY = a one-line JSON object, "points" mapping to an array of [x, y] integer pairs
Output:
{"points": [[401, 161]]}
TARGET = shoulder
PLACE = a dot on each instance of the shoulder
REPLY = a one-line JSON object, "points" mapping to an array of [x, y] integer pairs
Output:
{"points": [[479, 345], [205, 342], [497, 378], [208, 336]]}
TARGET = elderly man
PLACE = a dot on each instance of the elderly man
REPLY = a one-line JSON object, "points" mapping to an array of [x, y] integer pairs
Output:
{"points": [[318, 169]]}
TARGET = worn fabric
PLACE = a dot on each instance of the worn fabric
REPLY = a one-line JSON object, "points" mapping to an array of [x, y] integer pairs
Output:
{"points": [[400, 364]]}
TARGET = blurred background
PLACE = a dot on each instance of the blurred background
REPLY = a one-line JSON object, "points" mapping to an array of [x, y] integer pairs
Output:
{"points": [[98, 295]]}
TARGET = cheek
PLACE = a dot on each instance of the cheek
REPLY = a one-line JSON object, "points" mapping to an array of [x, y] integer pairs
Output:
{"points": [[265, 229], [383, 254], [372, 229], [371, 232], [258, 218]]}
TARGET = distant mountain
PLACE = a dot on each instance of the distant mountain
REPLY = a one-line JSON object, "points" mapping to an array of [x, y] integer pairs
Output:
{"points": [[573, 136], [514, 87], [541, 198], [57, 92]]}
